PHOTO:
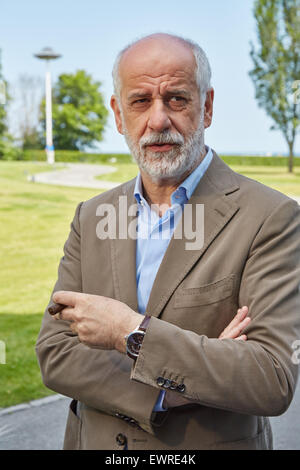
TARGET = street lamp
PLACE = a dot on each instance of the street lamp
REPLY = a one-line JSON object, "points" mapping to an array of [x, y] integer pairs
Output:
{"points": [[48, 54]]}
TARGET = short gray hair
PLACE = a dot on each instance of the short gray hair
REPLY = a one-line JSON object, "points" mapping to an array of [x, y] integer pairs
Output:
{"points": [[203, 70]]}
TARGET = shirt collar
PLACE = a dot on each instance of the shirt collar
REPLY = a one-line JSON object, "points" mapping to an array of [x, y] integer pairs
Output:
{"points": [[186, 188]]}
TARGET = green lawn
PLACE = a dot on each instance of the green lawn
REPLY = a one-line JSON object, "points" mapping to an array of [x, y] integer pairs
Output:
{"points": [[34, 221], [275, 176], [124, 172]]}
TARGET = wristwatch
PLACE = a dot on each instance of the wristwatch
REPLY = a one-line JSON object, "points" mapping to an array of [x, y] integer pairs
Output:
{"points": [[135, 339]]}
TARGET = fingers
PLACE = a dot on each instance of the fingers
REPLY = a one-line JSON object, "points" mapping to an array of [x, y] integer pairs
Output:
{"points": [[241, 314], [73, 327], [241, 338], [66, 297], [236, 331], [236, 326], [67, 314]]}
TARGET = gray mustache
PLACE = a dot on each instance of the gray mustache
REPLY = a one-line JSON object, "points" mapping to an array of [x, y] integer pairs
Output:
{"points": [[162, 138]]}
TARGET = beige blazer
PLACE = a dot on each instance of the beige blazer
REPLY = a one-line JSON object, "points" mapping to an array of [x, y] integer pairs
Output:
{"points": [[250, 256]]}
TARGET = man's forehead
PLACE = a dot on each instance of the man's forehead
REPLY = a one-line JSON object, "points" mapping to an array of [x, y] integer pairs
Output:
{"points": [[156, 58], [179, 82]]}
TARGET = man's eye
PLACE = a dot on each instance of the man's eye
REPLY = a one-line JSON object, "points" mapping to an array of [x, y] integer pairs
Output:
{"points": [[177, 98], [140, 101], [177, 101]]}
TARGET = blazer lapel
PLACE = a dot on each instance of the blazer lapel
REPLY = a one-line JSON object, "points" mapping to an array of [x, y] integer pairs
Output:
{"points": [[218, 181]]}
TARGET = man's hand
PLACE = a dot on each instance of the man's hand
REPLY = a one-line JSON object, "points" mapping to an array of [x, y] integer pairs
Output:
{"points": [[232, 331], [237, 325], [99, 322]]}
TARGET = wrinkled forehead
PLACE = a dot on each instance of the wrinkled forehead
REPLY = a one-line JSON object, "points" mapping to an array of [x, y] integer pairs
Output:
{"points": [[155, 58]]}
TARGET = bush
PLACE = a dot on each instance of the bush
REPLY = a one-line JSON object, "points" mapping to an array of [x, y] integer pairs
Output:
{"points": [[7, 149], [257, 161], [73, 156]]}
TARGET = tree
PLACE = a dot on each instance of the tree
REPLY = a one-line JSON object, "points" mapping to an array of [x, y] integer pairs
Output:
{"points": [[7, 150], [78, 110], [29, 90], [3, 102], [276, 69]]}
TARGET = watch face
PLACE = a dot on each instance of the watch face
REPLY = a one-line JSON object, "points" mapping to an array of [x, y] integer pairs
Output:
{"points": [[134, 342]]}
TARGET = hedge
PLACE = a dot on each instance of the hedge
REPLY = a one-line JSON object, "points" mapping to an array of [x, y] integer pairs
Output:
{"points": [[71, 156]]}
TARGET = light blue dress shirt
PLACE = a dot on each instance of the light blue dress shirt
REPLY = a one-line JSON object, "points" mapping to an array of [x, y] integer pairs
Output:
{"points": [[154, 234]]}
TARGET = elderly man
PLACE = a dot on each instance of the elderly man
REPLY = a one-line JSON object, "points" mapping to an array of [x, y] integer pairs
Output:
{"points": [[174, 377]]}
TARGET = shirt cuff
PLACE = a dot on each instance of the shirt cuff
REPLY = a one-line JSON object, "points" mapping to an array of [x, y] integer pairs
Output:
{"points": [[159, 402]]}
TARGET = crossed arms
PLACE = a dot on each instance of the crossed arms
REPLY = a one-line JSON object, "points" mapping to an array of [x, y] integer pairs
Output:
{"points": [[261, 366]]}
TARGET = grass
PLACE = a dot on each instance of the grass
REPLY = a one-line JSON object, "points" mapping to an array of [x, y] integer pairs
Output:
{"points": [[275, 176], [124, 172], [20, 378], [35, 221]]}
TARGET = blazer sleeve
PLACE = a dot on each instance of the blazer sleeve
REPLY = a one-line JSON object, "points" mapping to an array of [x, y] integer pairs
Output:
{"points": [[257, 376], [98, 378]]}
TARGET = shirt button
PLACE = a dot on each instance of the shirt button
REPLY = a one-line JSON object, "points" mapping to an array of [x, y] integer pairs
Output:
{"points": [[160, 381], [121, 439]]}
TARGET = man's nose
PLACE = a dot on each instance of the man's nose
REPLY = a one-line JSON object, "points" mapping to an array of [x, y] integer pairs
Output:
{"points": [[159, 119]]}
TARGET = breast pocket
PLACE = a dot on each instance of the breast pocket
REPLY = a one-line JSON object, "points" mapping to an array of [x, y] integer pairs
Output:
{"points": [[205, 295]]}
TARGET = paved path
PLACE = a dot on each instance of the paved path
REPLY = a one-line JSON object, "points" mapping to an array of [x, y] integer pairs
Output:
{"points": [[77, 175], [40, 425]]}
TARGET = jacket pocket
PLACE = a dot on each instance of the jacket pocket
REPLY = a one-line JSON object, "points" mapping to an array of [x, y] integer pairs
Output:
{"points": [[73, 429], [206, 294]]}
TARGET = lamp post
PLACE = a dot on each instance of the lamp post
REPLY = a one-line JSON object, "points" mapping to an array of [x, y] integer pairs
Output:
{"points": [[48, 54]]}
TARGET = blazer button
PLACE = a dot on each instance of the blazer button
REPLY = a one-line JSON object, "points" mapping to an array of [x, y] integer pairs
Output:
{"points": [[173, 385], [181, 388], [167, 383], [133, 422], [160, 381], [121, 439]]}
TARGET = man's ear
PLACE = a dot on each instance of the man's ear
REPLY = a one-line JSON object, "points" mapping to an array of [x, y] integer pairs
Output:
{"points": [[208, 111], [117, 112]]}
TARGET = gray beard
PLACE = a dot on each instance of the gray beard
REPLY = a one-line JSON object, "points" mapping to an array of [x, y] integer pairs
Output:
{"points": [[172, 164]]}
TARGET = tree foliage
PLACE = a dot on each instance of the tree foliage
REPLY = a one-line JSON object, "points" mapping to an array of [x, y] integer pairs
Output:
{"points": [[4, 97], [276, 59], [79, 113], [29, 91], [7, 149]]}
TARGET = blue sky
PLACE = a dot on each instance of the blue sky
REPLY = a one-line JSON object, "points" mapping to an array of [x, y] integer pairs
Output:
{"points": [[90, 33]]}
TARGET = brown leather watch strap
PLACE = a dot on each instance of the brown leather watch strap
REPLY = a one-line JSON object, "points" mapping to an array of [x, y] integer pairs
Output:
{"points": [[135, 338], [145, 323]]}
